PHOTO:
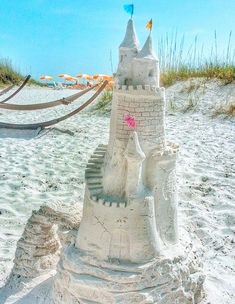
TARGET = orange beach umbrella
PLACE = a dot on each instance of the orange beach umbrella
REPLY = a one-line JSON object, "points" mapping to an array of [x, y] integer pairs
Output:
{"points": [[46, 77], [103, 77], [64, 76], [86, 76], [71, 78]]}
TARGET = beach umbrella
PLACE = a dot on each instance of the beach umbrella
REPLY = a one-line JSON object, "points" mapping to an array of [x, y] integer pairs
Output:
{"points": [[103, 77], [107, 77], [64, 75], [71, 78], [67, 77], [98, 76], [46, 77], [85, 76]]}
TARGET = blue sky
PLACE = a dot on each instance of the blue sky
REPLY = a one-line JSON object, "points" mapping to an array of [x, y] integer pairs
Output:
{"points": [[73, 36]]}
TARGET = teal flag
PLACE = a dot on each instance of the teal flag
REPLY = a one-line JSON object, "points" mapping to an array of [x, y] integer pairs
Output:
{"points": [[129, 8]]}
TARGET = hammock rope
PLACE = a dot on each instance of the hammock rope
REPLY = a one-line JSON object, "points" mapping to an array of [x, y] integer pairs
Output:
{"points": [[45, 105], [4, 91], [56, 120], [17, 91]]}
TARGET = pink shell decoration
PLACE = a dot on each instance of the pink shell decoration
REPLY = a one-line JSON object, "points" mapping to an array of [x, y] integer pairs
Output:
{"points": [[130, 121]]}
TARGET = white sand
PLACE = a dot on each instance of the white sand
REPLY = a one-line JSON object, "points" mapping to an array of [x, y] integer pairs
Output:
{"points": [[50, 167]]}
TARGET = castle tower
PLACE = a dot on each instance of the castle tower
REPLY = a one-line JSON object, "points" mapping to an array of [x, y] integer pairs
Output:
{"points": [[146, 102], [146, 66], [128, 50], [127, 248]]}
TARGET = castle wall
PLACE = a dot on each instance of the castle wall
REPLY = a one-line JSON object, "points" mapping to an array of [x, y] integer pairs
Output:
{"points": [[125, 232], [147, 105]]}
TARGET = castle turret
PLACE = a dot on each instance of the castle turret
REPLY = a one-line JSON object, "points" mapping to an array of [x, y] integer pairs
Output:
{"points": [[146, 66], [128, 50]]}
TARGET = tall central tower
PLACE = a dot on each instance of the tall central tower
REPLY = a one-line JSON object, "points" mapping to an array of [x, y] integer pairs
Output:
{"points": [[127, 248], [128, 50]]}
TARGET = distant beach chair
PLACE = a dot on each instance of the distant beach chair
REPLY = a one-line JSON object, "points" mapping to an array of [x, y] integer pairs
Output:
{"points": [[58, 85]]}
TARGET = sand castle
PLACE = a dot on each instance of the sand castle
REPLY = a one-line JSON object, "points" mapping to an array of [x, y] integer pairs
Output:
{"points": [[129, 248]]}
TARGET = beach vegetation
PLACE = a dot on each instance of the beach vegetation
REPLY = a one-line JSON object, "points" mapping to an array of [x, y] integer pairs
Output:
{"points": [[179, 62], [192, 103], [104, 100], [10, 75], [225, 73]]}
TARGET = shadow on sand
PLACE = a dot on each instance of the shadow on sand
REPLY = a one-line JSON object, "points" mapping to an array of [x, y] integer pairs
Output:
{"points": [[30, 134]]}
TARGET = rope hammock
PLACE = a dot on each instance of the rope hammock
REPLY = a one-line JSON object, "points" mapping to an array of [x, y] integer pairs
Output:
{"points": [[17, 91], [56, 120], [46, 105], [4, 91]]}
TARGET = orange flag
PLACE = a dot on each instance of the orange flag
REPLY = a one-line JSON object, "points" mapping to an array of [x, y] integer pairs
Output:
{"points": [[149, 24]]}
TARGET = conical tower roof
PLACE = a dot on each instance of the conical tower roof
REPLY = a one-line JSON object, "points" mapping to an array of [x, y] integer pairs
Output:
{"points": [[131, 40], [147, 51]]}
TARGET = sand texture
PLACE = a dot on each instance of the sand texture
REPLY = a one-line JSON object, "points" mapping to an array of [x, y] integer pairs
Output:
{"points": [[48, 166]]}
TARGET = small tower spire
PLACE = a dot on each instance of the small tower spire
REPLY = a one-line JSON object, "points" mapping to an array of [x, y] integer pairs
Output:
{"points": [[130, 40], [147, 51], [128, 50]]}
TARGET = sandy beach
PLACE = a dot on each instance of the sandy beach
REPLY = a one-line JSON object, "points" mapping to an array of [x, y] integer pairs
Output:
{"points": [[49, 166]]}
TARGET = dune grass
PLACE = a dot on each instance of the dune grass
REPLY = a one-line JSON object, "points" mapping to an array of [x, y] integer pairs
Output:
{"points": [[9, 75], [178, 62], [226, 73]]}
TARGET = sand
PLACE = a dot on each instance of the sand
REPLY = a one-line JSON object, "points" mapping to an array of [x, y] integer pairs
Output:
{"points": [[49, 166]]}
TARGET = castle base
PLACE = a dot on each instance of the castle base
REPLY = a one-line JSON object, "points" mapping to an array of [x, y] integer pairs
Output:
{"points": [[175, 277]]}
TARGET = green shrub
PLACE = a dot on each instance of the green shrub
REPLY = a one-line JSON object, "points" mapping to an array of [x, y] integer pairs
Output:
{"points": [[104, 100]]}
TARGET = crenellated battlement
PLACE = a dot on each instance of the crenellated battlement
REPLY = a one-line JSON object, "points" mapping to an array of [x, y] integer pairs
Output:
{"points": [[101, 201], [139, 90]]}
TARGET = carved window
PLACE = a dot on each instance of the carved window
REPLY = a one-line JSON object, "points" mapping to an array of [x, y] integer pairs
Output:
{"points": [[128, 81], [151, 73]]}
